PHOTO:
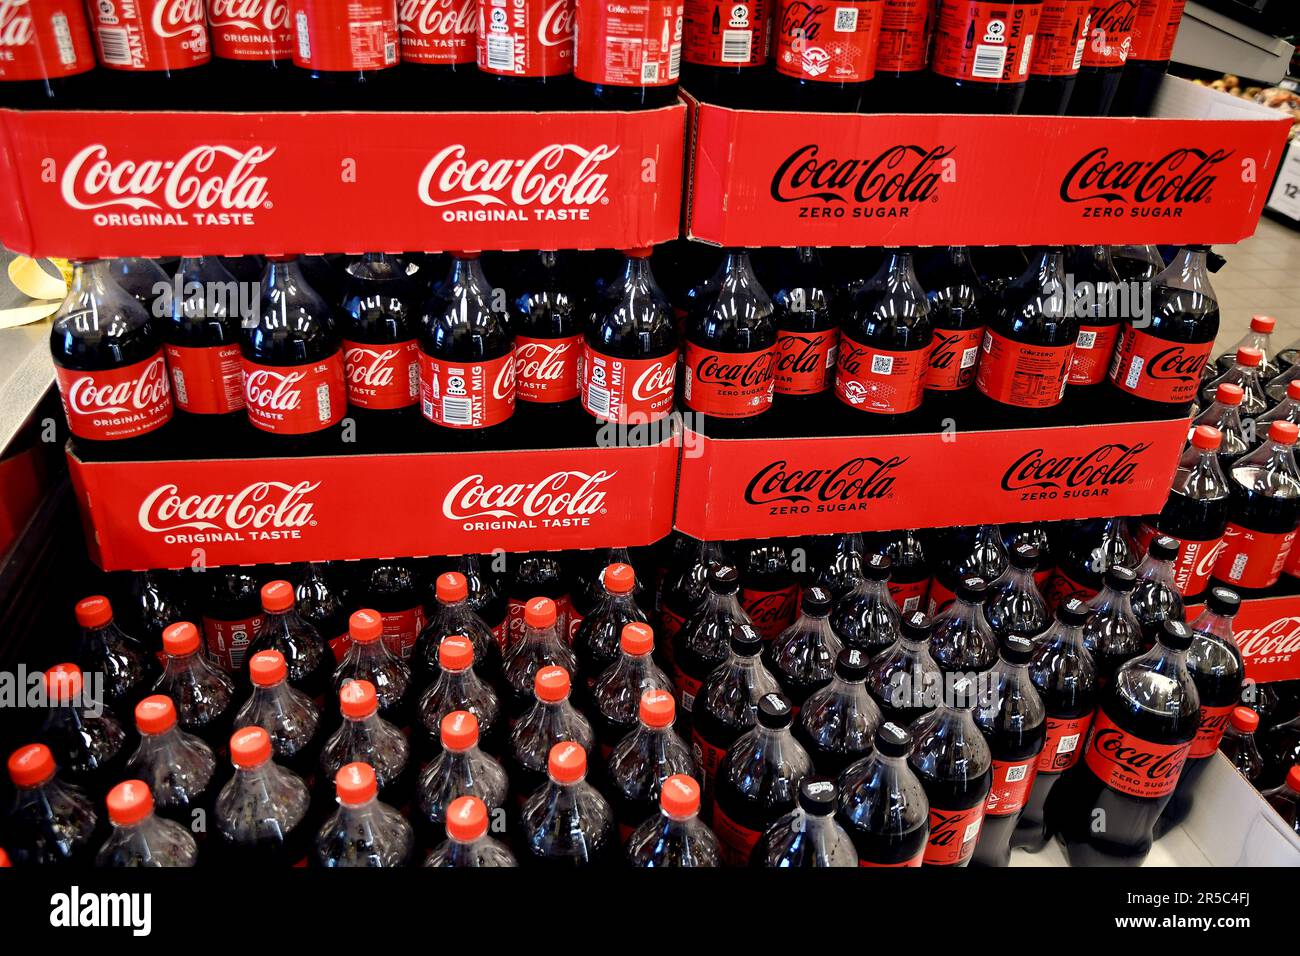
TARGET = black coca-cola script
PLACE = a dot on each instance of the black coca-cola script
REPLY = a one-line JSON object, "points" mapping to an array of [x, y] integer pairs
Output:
{"points": [[1117, 747], [1175, 363], [1110, 464], [1180, 177], [857, 478], [900, 173]]}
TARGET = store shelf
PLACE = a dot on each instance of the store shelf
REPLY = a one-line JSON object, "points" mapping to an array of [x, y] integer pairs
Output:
{"points": [[1212, 41], [26, 374]]}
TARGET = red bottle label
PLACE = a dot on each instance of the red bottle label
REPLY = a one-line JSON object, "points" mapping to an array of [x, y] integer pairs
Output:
{"points": [[735, 842], [688, 688], [1012, 781], [729, 384], [206, 381], [1194, 563], [670, 624], [1131, 765], [295, 399], [1110, 33], [401, 628], [953, 360], [227, 641], [467, 394], [1157, 369], [828, 42], [915, 861], [905, 36], [878, 380], [501, 634], [708, 758], [1252, 559], [1292, 566], [1154, 29], [1093, 350], [1063, 586], [1064, 743], [339, 646], [546, 370], [382, 376], [1062, 33], [571, 634], [346, 36], [151, 34], [629, 391], [43, 39], [953, 835], [116, 403], [1027, 376], [984, 42], [438, 32], [629, 43], [771, 611], [1042, 576], [805, 361], [525, 37], [940, 597], [250, 29], [726, 33], [1214, 721], [910, 596]]}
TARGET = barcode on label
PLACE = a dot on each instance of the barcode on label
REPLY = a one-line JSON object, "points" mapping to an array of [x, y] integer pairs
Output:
{"points": [[390, 52], [1134, 372], [63, 37], [674, 61], [500, 52], [649, 72], [1067, 744], [304, 36], [688, 702], [457, 411], [831, 355], [882, 364], [323, 401], [972, 831], [987, 344], [1078, 50], [113, 46], [968, 356], [1086, 340], [989, 61], [911, 604], [1024, 56], [597, 400], [413, 379], [178, 385], [846, 19], [1238, 569], [736, 46]]}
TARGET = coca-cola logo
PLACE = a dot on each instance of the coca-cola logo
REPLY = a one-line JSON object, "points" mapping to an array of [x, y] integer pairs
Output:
{"points": [[1119, 748], [263, 504], [444, 18], [1175, 363], [802, 20], [1110, 464], [948, 826], [92, 181], [277, 391], [369, 367], [87, 396], [174, 18], [503, 386], [772, 610], [561, 494], [654, 381], [799, 354], [1116, 20], [945, 350], [16, 29], [1210, 557], [736, 370], [562, 174], [555, 28], [855, 479], [543, 361], [1182, 176], [1276, 638], [265, 16], [900, 174]]}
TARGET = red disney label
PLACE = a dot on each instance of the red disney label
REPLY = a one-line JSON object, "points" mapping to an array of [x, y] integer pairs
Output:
{"points": [[116, 403], [729, 384], [828, 42], [382, 376], [1012, 780], [805, 361], [1027, 376], [401, 628], [985, 42], [736, 842], [1093, 350], [250, 29], [1194, 563], [467, 394], [878, 380], [546, 370], [438, 32], [953, 360], [1064, 743], [1059, 41], [43, 39], [1131, 765], [953, 834], [1110, 33], [727, 33], [1154, 29], [206, 381], [627, 390], [910, 595], [227, 641], [905, 35], [629, 43], [151, 34], [771, 611], [1252, 559], [525, 37], [1214, 721], [335, 36], [295, 399]]}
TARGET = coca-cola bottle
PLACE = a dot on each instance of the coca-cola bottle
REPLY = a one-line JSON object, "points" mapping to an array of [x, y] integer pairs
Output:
{"points": [[1110, 41], [725, 50], [252, 53], [468, 843], [909, 572], [87, 739], [526, 57], [261, 816], [1155, 598], [675, 836], [232, 616], [540, 646], [485, 591], [1111, 632], [157, 599], [369, 659], [48, 57], [1063, 31], [885, 343], [769, 589], [204, 695], [616, 695], [644, 79], [157, 55], [308, 660], [566, 822], [1154, 28], [867, 617], [833, 562], [701, 645], [367, 737], [1285, 799], [1279, 387], [902, 55], [460, 769], [904, 677], [140, 838], [1287, 410], [644, 759], [1262, 514], [364, 831], [1245, 374], [104, 648], [804, 310], [453, 615], [957, 312], [1157, 366], [50, 822], [287, 715], [143, 279], [1013, 604], [438, 50], [294, 386], [322, 601], [1239, 746], [836, 724], [178, 768], [109, 364], [966, 552], [547, 323], [961, 640], [392, 587], [1035, 534], [684, 589], [807, 836], [802, 657], [1064, 673], [588, 577], [980, 60], [825, 57], [1259, 337], [458, 687], [346, 54], [1224, 416], [531, 575], [1136, 263], [596, 642], [1013, 720], [1091, 548], [882, 804], [1140, 738], [551, 719], [1098, 305]]}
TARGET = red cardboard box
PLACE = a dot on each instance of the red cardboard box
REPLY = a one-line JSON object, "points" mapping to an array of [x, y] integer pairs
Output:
{"points": [[1268, 635]]}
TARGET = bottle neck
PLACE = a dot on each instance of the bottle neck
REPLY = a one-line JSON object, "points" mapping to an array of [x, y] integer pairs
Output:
{"points": [[1218, 625], [636, 272]]}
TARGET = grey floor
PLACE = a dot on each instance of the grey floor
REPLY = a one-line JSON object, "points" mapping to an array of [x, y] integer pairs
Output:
{"points": [[1262, 276]]}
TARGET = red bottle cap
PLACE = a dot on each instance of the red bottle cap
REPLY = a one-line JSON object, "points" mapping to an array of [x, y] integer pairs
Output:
{"points": [[567, 762], [267, 668], [638, 253], [1293, 778], [356, 783], [180, 639], [365, 626], [1262, 323], [458, 731], [4, 859], [63, 683], [637, 639], [31, 765], [250, 747], [1249, 357], [680, 796], [1283, 432], [277, 595], [657, 709], [1244, 719], [155, 714], [467, 819], [94, 611], [1206, 437], [1293, 389], [466, 254], [619, 578], [452, 586], [1229, 394], [357, 699], [551, 685], [455, 653], [129, 802], [539, 612]]}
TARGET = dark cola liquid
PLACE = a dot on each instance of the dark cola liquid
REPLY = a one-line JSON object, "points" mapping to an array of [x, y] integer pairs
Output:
{"points": [[157, 601], [1091, 547], [753, 805], [1193, 519], [1138, 86], [1015, 737], [546, 319], [53, 825], [596, 641], [910, 570], [769, 592], [804, 310], [535, 574], [1153, 603], [956, 797], [955, 295], [1094, 91], [867, 619], [91, 752], [1113, 639], [954, 80], [308, 659], [1016, 608], [965, 552], [1036, 535], [394, 588], [286, 848], [322, 603], [1046, 95]]}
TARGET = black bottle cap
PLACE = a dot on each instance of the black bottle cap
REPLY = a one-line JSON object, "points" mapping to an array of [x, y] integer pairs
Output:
{"points": [[1175, 635], [1024, 556], [1121, 579], [916, 626], [877, 567], [724, 579], [817, 796], [972, 589], [774, 711], [851, 664], [1072, 612], [1017, 649], [1163, 548], [816, 602], [746, 641], [1224, 601], [893, 740]]}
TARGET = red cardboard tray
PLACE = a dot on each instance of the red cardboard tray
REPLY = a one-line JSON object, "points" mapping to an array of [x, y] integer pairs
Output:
{"points": [[86, 184], [775, 487], [1199, 174], [1268, 634], [170, 514]]}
